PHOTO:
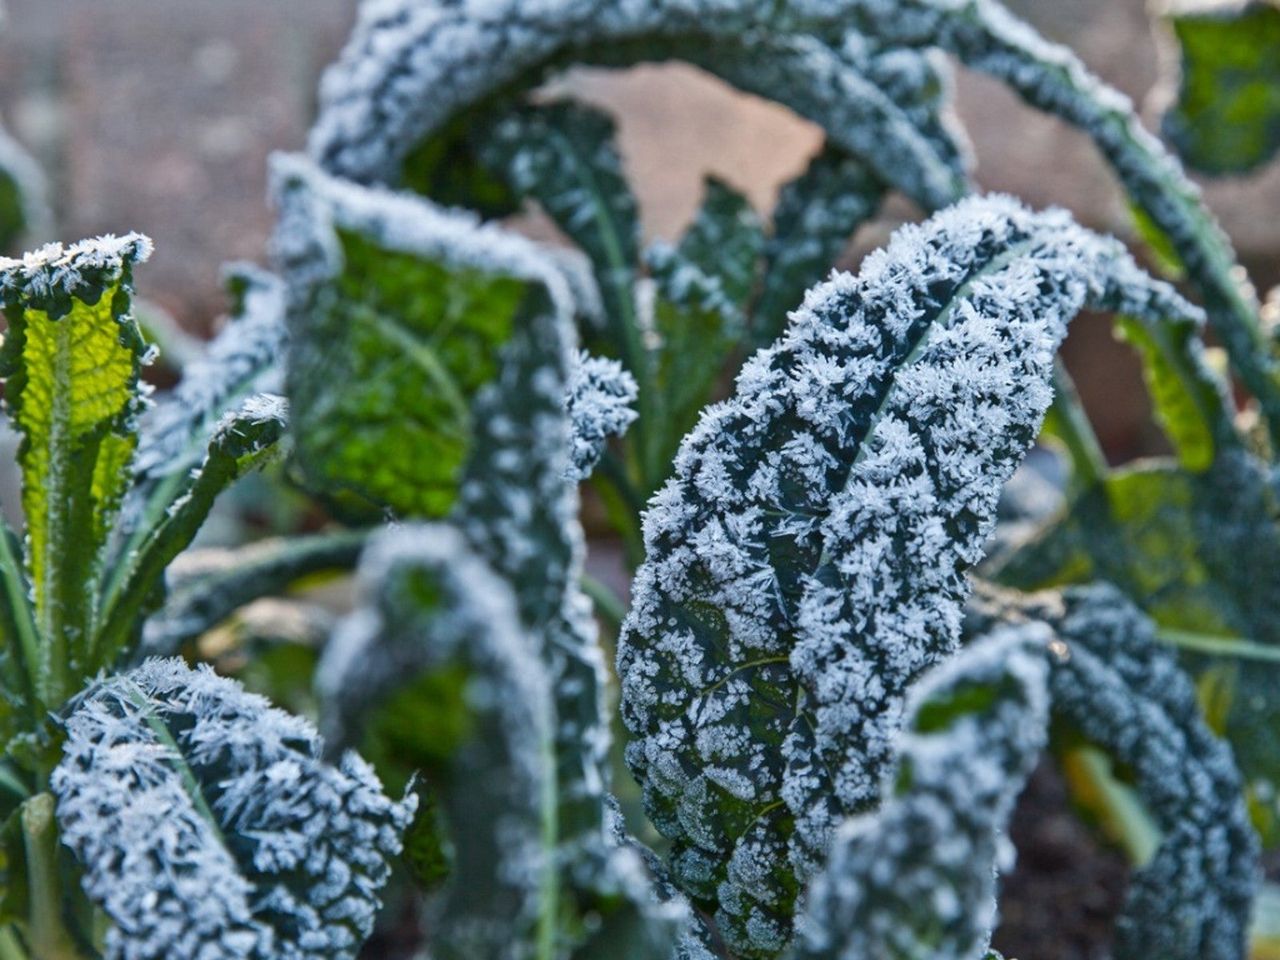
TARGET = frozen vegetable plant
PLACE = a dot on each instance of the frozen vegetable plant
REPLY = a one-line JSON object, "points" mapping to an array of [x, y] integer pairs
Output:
{"points": [[828, 727]]}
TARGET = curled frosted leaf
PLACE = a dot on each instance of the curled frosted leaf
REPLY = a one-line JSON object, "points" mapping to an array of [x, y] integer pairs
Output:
{"points": [[807, 561], [1114, 683], [245, 358], [408, 308], [599, 405], [408, 69], [70, 363], [917, 878], [430, 608], [241, 441], [207, 826]]}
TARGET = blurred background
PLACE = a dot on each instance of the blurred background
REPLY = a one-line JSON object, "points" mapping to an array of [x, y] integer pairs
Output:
{"points": [[158, 116]]}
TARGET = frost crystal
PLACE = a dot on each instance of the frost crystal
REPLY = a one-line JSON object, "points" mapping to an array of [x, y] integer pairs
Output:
{"points": [[1125, 693], [807, 560], [599, 405], [207, 826], [46, 279], [917, 878], [410, 66]]}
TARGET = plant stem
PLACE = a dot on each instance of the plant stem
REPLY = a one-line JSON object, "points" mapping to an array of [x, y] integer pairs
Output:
{"points": [[10, 946], [46, 931], [1072, 427]]}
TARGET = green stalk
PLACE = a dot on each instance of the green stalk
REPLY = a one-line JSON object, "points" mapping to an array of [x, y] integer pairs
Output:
{"points": [[46, 929]]}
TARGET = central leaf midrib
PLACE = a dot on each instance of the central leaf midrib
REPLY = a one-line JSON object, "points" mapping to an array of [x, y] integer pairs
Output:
{"points": [[190, 782], [428, 361]]}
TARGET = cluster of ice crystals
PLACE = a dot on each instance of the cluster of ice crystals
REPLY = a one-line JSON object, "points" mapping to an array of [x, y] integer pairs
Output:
{"points": [[52, 273], [409, 67], [806, 562], [917, 877], [207, 825], [1124, 692], [599, 405]]}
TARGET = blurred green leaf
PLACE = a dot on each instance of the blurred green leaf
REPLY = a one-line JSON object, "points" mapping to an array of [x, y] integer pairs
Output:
{"points": [[1227, 115]]}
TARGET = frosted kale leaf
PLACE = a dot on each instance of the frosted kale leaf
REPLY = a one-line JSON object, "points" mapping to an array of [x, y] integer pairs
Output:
{"points": [[1226, 118], [807, 561], [917, 878], [22, 194], [599, 407], [208, 826], [241, 441], [70, 363], [435, 624], [1114, 683], [245, 358], [408, 308], [563, 156], [408, 71], [1200, 553]]}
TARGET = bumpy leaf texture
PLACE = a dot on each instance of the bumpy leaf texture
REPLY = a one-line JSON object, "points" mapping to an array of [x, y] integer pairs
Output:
{"points": [[1196, 552], [1226, 118], [807, 561], [409, 68], [917, 878], [70, 362], [406, 307], [599, 404], [207, 825], [1114, 683], [440, 59], [428, 606]]}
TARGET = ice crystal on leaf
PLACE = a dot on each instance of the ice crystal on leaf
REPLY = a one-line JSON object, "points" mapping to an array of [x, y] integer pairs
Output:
{"points": [[917, 877], [599, 404], [1114, 683], [807, 560], [207, 825]]}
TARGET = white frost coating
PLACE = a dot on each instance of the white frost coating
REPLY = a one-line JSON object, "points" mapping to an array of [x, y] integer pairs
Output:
{"points": [[1124, 692], [428, 603], [599, 404], [207, 826], [313, 205], [44, 276], [410, 66], [24, 174], [244, 358], [807, 560], [917, 878]]}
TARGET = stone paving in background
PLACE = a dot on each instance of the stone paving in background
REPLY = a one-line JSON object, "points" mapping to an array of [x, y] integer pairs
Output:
{"points": [[158, 115]]}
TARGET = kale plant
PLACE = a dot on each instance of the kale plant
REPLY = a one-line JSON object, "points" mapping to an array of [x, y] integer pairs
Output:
{"points": [[838, 667]]}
